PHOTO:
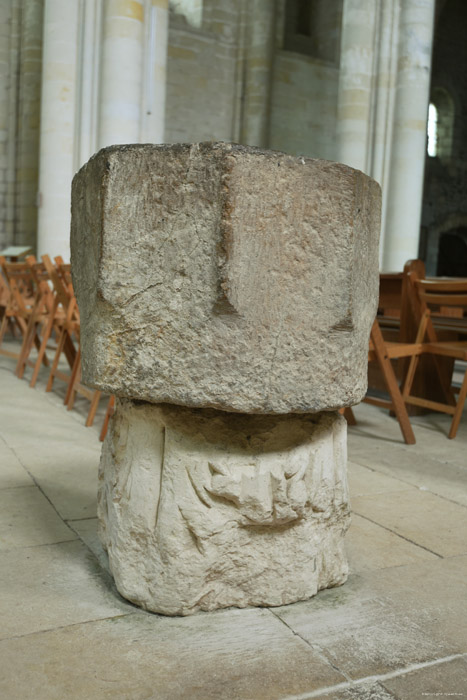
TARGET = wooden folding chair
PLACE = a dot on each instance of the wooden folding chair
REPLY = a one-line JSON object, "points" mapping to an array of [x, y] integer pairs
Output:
{"points": [[435, 296], [19, 304], [39, 317], [60, 274], [61, 278]]}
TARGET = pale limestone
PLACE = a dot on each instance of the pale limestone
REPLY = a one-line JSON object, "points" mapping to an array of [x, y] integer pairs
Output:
{"points": [[423, 518], [28, 519], [216, 275], [51, 586], [201, 509], [230, 655], [370, 546]]}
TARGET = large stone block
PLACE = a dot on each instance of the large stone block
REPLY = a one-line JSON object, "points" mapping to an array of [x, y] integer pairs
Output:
{"points": [[202, 509], [224, 276]]}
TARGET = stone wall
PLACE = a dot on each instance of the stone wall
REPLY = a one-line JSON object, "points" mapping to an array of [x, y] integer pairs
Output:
{"points": [[445, 204], [206, 84], [20, 79], [304, 106], [9, 65], [201, 74]]}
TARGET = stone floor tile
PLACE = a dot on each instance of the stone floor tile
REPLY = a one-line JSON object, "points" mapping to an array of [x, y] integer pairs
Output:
{"points": [[233, 655], [420, 516], [87, 531], [388, 619], [54, 585], [28, 519], [429, 428], [370, 546], [440, 680], [69, 479], [434, 463], [61, 454], [364, 481], [363, 691], [12, 472]]}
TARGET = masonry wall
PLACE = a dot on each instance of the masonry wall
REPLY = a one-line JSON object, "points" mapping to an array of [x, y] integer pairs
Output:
{"points": [[9, 67], [205, 84], [209, 63], [202, 74], [445, 200], [304, 106]]}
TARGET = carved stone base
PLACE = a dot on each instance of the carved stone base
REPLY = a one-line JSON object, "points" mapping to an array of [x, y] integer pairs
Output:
{"points": [[201, 509]]}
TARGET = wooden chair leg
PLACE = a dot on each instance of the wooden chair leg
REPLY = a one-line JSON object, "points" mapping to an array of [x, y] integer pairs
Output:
{"points": [[348, 415], [58, 352], [109, 412], [74, 379], [3, 328], [459, 408], [41, 354], [26, 348], [392, 385], [93, 408]]}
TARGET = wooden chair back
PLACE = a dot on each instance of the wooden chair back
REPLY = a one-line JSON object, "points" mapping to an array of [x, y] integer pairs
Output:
{"points": [[433, 297]]}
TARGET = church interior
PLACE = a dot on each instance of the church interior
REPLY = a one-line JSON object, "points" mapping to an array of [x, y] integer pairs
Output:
{"points": [[377, 85]]}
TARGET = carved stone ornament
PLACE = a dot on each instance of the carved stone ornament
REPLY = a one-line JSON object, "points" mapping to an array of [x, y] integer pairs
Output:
{"points": [[200, 509]]}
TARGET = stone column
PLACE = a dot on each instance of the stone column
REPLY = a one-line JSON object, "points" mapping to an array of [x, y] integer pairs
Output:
{"points": [[155, 65], [226, 297], [122, 71], [27, 167], [87, 111], [5, 82], [259, 61], [356, 78], [58, 103], [409, 133], [9, 88]]}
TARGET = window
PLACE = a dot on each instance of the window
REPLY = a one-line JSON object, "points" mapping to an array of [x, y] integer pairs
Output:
{"points": [[440, 124], [432, 130]]}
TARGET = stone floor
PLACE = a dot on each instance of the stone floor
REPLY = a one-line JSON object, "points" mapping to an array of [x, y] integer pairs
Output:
{"points": [[396, 629]]}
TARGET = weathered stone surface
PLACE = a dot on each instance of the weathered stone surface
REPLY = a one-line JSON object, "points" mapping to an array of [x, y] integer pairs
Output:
{"points": [[223, 276], [203, 509]]}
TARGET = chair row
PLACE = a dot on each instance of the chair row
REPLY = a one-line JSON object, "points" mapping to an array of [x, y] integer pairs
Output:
{"points": [[422, 322], [39, 302]]}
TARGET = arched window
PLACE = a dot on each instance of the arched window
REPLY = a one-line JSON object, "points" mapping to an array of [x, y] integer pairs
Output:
{"points": [[432, 130], [440, 124]]}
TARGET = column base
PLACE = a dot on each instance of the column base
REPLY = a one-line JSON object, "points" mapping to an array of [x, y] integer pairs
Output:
{"points": [[201, 509]]}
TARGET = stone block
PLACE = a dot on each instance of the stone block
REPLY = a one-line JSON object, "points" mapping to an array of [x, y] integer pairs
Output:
{"points": [[202, 509], [216, 275]]}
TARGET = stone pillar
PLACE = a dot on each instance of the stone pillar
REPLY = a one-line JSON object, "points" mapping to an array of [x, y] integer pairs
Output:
{"points": [[155, 67], [259, 61], [356, 77], [10, 16], [409, 133], [87, 111], [384, 89], [5, 38], [27, 166], [122, 70], [231, 326], [58, 103]]}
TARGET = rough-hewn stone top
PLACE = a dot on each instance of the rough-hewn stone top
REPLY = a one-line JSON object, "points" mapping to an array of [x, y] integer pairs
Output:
{"points": [[225, 276]]}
